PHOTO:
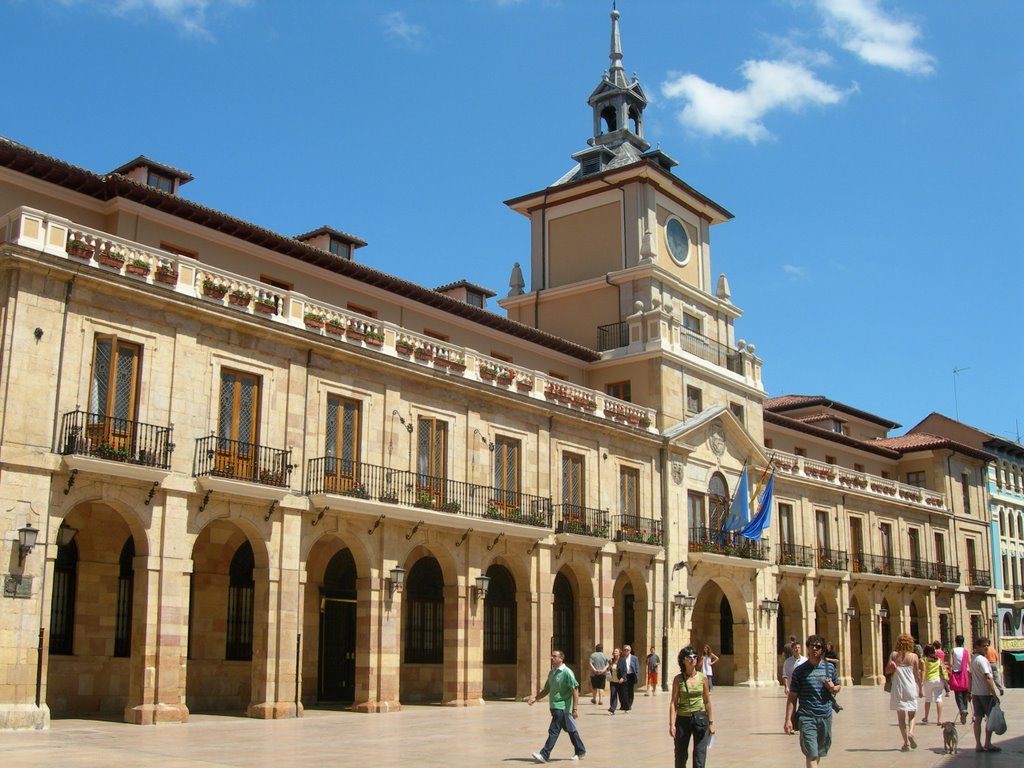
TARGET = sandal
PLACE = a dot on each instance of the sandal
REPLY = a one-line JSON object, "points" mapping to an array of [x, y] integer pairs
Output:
{"points": [[913, 742], [906, 748], [993, 749]]}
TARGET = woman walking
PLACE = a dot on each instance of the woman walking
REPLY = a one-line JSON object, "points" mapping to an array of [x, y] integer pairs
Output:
{"points": [[934, 684], [614, 681], [905, 668], [689, 711], [707, 662]]}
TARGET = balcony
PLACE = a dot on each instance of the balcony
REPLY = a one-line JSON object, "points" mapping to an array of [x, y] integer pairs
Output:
{"points": [[638, 530], [796, 555], [218, 457], [329, 476], [977, 577], [616, 336], [127, 442], [1018, 593], [582, 521], [949, 574], [860, 482], [832, 560], [718, 542], [884, 565], [612, 336]]}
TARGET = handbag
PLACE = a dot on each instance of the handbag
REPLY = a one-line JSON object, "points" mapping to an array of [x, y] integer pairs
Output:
{"points": [[996, 720], [888, 684]]}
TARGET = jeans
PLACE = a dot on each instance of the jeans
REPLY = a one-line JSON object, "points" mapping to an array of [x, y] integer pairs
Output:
{"points": [[616, 691], [961, 701], [561, 720], [684, 730]]}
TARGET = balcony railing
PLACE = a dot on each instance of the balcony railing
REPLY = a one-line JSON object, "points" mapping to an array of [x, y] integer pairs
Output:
{"points": [[978, 577], [947, 573], [330, 475], [715, 541], [115, 439], [831, 560], [238, 460], [711, 350], [638, 530], [796, 554], [849, 479], [612, 336], [1018, 593], [572, 518]]}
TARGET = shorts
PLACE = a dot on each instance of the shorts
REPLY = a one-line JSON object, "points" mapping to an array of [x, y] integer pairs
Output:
{"points": [[933, 691], [815, 736], [652, 677], [982, 705], [597, 682]]}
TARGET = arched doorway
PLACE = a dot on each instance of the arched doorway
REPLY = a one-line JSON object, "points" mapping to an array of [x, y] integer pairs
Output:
{"points": [[563, 624], [857, 625], [886, 629], [500, 629], [422, 673], [336, 665], [721, 622]]}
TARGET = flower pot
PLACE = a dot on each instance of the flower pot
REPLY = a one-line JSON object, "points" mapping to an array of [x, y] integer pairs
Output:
{"points": [[423, 354], [239, 301], [337, 330], [264, 307], [168, 278], [504, 380], [487, 375], [522, 386], [457, 367], [373, 341], [214, 291], [311, 323], [353, 335], [81, 252], [403, 349], [109, 261], [137, 269]]}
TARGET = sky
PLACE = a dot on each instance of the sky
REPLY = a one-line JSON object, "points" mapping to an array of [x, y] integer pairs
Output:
{"points": [[870, 150]]}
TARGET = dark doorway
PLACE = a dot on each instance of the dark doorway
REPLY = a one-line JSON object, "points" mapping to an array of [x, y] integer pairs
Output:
{"points": [[337, 663]]}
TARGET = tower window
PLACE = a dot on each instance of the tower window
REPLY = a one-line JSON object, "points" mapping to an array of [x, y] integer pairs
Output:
{"points": [[610, 119], [340, 248], [161, 182]]}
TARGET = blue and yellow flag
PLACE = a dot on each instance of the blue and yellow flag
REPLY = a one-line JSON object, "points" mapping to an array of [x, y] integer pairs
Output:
{"points": [[739, 510]]}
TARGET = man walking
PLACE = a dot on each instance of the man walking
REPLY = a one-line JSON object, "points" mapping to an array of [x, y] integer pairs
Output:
{"points": [[814, 685], [796, 658], [598, 674], [983, 694], [959, 676], [653, 661], [563, 689], [629, 673]]}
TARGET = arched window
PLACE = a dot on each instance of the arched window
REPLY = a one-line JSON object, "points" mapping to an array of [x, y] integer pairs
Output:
{"points": [[564, 619], [62, 602], [125, 592], [241, 588], [718, 501], [340, 576], [725, 625], [635, 121], [424, 613], [500, 617], [1007, 627], [609, 118]]}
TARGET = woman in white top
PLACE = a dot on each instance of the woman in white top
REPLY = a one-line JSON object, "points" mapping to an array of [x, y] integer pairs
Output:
{"points": [[707, 660], [905, 668]]}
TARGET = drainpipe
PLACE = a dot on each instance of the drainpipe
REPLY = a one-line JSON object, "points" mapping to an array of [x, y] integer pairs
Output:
{"points": [[666, 608]]}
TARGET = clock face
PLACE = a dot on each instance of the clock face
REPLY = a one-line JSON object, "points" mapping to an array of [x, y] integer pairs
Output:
{"points": [[678, 242]]}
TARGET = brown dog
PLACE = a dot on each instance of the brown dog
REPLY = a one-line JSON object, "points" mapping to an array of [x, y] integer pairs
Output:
{"points": [[950, 738]]}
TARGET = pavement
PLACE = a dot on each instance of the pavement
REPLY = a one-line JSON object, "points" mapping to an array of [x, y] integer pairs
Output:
{"points": [[505, 733]]}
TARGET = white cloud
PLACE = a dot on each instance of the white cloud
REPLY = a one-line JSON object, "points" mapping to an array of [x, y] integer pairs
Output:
{"points": [[190, 16], [864, 29], [794, 271], [771, 85], [402, 31]]}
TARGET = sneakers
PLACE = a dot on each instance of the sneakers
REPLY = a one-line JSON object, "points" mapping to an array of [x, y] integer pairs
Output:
{"points": [[538, 757], [580, 756]]}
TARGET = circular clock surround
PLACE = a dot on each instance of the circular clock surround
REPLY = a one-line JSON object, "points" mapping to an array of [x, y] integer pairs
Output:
{"points": [[678, 241]]}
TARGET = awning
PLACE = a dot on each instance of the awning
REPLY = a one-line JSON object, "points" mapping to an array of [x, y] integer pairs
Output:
{"points": [[1016, 656]]}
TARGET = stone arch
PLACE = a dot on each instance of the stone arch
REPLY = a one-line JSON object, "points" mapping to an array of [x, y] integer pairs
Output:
{"points": [[826, 614], [860, 636], [790, 620], [501, 640], [721, 621], [631, 608]]}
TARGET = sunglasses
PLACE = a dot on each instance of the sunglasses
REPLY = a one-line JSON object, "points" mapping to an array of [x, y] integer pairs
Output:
{"points": [[690, 656], [819, 646]]}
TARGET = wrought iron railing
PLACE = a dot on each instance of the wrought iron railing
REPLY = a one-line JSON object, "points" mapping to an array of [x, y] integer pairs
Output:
{"points": [[893, 566], [239, 460], [832, 560], [947, 573], [711, 350], [979, 577], [329, 475], [612, 336], [639, 530], [573, 518], [796, 554], [716, 541], [1018, 593], [115, 439]]}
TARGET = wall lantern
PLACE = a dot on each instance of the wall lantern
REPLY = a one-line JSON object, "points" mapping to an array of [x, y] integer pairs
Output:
{"points": [[27, 536], [397, 580], [883, 613], [851, 612], [482, 584], [65, 535], [770, 605], [684, 602]]}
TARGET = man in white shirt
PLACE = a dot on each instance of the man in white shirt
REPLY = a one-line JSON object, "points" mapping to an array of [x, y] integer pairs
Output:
{"points": [[983, 694], [796, 658]]}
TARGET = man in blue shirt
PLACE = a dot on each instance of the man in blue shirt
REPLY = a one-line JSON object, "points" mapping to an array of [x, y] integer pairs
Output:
{"points": [[814, 684], [563, 689]]}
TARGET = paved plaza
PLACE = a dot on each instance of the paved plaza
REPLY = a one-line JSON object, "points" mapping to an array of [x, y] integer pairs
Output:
{"points": [[501, 733]]}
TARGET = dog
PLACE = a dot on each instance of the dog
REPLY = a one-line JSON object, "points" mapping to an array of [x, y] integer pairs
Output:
{"points": [[950, 738]]}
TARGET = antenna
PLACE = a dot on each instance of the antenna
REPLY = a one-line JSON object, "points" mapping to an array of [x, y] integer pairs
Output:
{"points": [[956, 399]]}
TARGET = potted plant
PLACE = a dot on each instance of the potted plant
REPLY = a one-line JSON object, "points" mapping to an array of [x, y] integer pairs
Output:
{"points": [[490, 372], [112, 257], [457, 364], [166, 273], [424, 498], [645, 421], [106, 450], [451, 506], [80, 248], [265, 305], [504, 376], [333, 326], [313, 319], [403, 346], [213, 288], [137, 266], [388, 497], [524, 382], [240, 297], [374, 338], [357, 491], [271, 477], [354, 332], [423, 353]]}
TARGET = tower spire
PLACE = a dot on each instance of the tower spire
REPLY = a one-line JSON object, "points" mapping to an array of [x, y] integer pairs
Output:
{"points": [[616, 74]]}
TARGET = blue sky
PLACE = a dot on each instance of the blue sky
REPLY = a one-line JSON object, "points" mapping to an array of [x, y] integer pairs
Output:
{"points": [[870, 150]]}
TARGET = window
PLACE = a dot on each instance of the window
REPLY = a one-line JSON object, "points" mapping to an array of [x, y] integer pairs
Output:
{"points": [[475, 299], [858, 467], [691, 323], [621, 390], [830, 459], [274, 282], [340, 248], [62, 601], [506, 470], [940, 548], [885, 529], [424, 613], [737, 411], [856, 536], [972, 559], [800, 452], [768, 443], [341, 467], [785, 524], [572, 479], [435, 334], [885, 474], [125, 590], [431, 455], [695, 513], [821, 529], [694, 398], [976, 630], [361, 310], [237, 424], [113, 393], [916, 478], [718, 496], [161, 182], [965, 488], [914, 544], [501, 356], [241, 588], [500, 625], [629, 504]]}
